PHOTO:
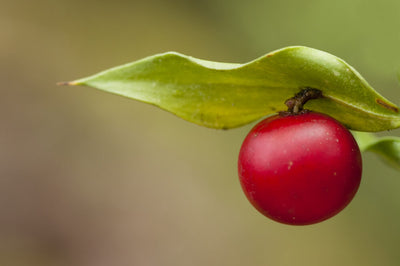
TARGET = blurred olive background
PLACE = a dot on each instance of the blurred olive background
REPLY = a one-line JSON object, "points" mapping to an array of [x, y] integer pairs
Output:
{"points": [[89, 178]]}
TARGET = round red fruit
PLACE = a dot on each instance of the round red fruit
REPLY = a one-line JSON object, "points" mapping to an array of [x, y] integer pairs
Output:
{"points": [[300, 169]]}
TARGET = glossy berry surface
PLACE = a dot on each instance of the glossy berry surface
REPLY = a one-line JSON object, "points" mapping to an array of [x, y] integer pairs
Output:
{"points": [[299, 169]]}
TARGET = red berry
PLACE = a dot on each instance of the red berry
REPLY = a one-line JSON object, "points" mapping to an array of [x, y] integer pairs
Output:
{"points": [[300, 169]]}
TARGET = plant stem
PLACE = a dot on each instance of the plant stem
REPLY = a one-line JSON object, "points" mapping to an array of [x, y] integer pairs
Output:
{"points": [[296, 103]]}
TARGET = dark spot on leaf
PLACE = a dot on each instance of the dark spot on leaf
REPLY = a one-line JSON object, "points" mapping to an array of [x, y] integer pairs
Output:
{"points": [[387, 106]]}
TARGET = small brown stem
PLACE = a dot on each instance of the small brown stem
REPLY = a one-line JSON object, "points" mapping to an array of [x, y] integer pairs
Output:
{"points": [[296, 103]]}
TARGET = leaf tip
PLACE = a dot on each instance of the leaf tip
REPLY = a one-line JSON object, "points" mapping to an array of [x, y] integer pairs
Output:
{"points": [[67, 83]]}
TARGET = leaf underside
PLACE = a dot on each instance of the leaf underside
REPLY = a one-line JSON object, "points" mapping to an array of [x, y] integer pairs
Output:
{"points": [[223, 96], [388, 148]]}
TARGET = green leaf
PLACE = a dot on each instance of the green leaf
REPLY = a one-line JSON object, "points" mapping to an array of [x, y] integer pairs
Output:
{"points": [[222, 95], [388, 148]]}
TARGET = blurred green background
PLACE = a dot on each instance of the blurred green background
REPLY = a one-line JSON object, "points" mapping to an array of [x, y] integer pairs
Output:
{"points": [[89, 178]]}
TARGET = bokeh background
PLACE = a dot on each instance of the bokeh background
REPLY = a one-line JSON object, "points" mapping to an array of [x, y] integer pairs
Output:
{"points": [[91, 179]]}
